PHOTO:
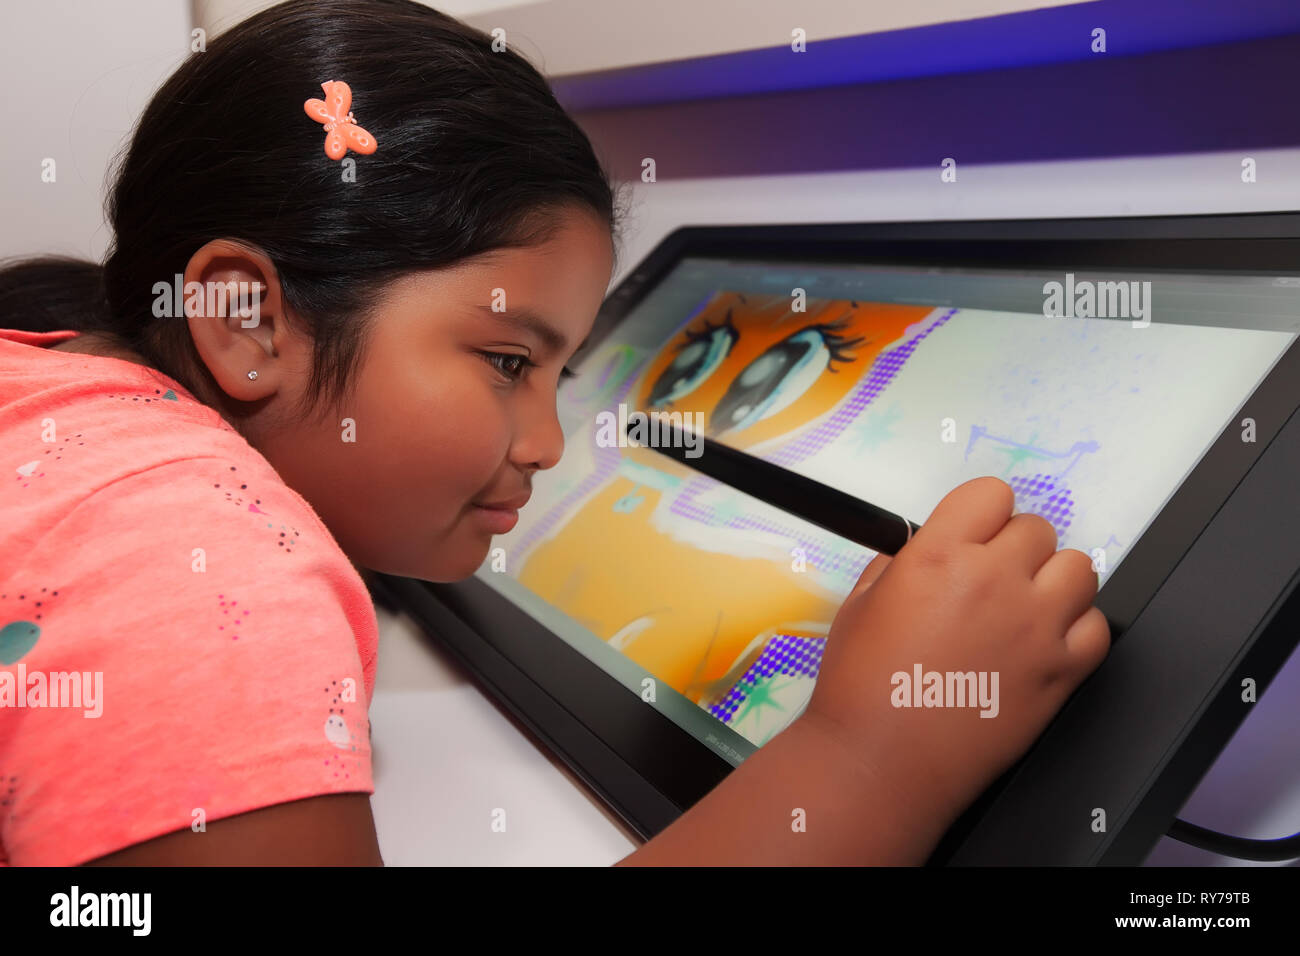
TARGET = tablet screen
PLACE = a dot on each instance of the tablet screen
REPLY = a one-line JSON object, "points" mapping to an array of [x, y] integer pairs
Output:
{"points": [[1093, 396]]}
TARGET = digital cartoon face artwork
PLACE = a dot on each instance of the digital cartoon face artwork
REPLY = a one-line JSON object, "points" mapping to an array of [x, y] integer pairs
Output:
{"points": [[708, 590]]}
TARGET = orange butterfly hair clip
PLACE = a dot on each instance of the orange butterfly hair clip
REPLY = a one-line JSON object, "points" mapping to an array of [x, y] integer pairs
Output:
{"points": [[341, 130]]}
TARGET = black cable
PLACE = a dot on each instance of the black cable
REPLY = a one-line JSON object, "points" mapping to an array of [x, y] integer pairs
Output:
{"points": [[1263, 851]]}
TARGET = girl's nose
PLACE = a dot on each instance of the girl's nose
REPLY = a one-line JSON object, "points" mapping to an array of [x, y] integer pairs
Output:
{"points": [[539, 440]]}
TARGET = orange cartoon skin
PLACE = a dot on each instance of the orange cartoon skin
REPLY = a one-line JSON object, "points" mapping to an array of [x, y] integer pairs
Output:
{"points": [[690, 599]]}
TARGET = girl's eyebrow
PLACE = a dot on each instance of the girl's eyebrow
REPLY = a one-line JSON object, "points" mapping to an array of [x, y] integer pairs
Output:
{"points": [[552, 338]]}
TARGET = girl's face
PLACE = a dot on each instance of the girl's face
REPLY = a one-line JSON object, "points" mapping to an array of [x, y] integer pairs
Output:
{"points": [[454, 407]]}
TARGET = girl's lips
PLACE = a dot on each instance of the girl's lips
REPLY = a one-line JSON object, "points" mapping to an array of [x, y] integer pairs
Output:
{"points": [[497, 520], [507, 504]]}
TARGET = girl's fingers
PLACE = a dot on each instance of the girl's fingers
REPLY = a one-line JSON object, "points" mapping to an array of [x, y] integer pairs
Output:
{"points": [[975, 511], [1069, 583], [1088, 642]]}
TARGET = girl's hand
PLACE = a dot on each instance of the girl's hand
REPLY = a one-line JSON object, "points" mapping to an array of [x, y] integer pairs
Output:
{"points": [[976, 590]]}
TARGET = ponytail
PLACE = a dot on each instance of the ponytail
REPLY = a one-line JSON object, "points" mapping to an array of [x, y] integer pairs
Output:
{"points": [[49, 293]]}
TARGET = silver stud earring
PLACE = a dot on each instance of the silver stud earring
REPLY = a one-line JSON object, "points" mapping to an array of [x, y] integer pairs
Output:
{"points": [[252, 374]]}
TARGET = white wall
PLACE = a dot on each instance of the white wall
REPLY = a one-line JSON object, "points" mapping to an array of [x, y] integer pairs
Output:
{"points": [[76, 75], [1199, 183], [218, 15], [575, 36]]}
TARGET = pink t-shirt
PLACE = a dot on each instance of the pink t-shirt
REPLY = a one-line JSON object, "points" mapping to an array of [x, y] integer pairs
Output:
{"points": [[181, 639]]}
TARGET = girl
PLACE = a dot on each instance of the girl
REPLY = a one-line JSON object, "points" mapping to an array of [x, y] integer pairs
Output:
{"points": [[195, 488]]}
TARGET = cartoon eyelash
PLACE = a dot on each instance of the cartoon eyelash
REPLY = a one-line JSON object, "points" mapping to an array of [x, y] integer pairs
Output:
{"points": [[836, 344], [695, 335]]}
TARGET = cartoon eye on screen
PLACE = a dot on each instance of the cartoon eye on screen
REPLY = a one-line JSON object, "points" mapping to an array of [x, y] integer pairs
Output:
{"points": [[768, 384], [685, 576]]}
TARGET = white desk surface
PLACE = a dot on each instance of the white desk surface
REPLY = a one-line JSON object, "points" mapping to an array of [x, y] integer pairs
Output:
{"points": [[446, 757]]}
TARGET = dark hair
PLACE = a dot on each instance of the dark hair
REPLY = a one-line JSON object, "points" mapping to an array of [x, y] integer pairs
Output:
{"points": [[475, 154]]}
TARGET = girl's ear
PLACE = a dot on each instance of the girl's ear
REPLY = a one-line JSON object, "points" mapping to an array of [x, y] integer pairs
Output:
{"points": [[235, 310]]}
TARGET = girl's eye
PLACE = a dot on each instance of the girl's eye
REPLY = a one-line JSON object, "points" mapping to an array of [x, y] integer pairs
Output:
{"points": [[514, 366], [508, 363]]}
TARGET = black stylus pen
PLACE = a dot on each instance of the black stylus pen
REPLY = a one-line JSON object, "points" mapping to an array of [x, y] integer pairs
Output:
{"points": [[875, 528]]}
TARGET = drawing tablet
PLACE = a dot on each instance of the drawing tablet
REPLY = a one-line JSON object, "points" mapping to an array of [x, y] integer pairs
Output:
{"points": [[1134, 382]]}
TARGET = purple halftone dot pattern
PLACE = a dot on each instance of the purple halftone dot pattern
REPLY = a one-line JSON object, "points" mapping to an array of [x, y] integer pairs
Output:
{"points": [[1047, 496], [784, 654], [883, 371], [820, 554]]}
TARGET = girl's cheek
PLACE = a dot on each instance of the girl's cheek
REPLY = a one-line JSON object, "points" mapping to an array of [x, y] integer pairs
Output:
{"points": [[483, 434], [495, 434]]}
